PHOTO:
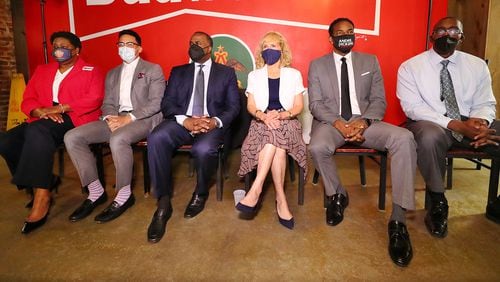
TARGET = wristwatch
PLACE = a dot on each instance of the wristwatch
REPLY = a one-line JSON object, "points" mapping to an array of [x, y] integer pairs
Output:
{"points": [[217, 123], [370, 121]]}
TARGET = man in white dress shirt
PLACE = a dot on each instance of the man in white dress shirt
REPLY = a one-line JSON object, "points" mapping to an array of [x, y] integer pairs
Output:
{"points": [[448, 99]]}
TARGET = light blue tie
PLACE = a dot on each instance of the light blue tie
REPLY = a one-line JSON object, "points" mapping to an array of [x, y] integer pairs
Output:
{"points": [[199, 89]]}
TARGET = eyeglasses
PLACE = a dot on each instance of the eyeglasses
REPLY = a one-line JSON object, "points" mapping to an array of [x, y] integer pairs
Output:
{"points": [[452, 31], [127, 44]]}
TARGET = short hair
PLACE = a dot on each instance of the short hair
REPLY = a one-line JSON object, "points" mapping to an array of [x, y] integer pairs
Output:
{"points": [[131, 33], [336, 21], [286, 53], [209, 38], [459, 23], [71, 37]]}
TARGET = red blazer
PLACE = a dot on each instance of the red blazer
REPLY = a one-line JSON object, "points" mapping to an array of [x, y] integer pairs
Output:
{"points": [[82, 89]]}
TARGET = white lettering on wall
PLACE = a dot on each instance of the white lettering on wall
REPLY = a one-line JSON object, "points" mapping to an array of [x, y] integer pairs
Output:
{"points": [[130, 2]]}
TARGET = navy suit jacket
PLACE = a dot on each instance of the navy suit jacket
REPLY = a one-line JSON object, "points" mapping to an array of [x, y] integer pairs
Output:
{"points": [[223, 100]]}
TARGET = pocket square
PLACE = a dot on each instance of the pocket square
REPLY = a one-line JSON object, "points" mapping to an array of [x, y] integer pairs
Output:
{"points": [[141, 75], [365, 73]]}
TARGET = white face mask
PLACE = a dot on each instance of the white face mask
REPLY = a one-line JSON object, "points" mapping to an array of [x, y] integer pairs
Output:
{"points": [[127, 54]]}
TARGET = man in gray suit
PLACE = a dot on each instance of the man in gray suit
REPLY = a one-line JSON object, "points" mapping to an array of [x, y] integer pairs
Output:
{"points": [[347, 101], [130, 110]]}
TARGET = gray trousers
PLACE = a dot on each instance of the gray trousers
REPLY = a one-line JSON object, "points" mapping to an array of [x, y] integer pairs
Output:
{"points": [[77, 143], [399, 143], [433, 143]]}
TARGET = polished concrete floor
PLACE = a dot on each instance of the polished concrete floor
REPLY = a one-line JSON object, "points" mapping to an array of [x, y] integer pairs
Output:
{"points": [[218, 246]]}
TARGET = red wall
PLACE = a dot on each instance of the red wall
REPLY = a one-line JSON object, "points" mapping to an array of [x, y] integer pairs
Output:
{"points": [[402, 32]]}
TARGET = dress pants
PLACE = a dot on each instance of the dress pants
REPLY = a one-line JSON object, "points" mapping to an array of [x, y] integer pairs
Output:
{"points": [[433, 143], [29, 151], [399, 142], [120, 142], [163, 142]]}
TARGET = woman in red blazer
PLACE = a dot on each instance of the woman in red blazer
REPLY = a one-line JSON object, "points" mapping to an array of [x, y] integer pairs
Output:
{"points": [[58, 97]]}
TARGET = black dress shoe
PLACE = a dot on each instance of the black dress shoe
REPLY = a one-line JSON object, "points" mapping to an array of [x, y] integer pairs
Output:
{"points": [[399, 243], [158, 224], [436, 219], [33, 225], [30, 226], [493, 211], [87, 207], [335, 208], [195, 206], [114, 210]]}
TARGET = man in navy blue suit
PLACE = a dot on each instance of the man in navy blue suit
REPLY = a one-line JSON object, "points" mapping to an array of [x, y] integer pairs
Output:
{"points": [[200, 102]]}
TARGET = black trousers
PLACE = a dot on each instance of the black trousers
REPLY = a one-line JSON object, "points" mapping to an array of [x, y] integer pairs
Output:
{"points": [[29, 151]]}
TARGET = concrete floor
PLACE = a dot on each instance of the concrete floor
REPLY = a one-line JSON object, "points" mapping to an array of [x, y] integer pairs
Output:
{"points": [[218, 246]]}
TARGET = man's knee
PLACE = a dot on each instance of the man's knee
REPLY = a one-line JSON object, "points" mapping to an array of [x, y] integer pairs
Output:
{"points": [[318, 148], [204, 150]]}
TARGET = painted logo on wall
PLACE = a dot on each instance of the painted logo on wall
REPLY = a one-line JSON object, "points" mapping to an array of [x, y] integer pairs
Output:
{"points": [[231, 51]]}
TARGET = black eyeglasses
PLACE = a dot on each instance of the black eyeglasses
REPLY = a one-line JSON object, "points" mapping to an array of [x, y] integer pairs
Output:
{"points": [[127, 44], [452, 31]]}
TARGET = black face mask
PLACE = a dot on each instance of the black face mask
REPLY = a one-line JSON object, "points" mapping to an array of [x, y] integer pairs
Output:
{"points": [[196, 52], [344, 43], [445, 44]]}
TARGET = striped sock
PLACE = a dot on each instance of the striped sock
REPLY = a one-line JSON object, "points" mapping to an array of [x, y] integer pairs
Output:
{"points": [[95, 190], [123, 195]]}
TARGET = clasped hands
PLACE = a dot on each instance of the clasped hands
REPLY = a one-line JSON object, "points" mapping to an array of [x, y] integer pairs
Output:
{"points": [[115, 122], [353, 130], [273, 118], [477, 130], [197, 125]]}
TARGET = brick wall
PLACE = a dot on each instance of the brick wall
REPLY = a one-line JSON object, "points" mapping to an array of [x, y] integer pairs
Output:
{"points": [[7, 59]]}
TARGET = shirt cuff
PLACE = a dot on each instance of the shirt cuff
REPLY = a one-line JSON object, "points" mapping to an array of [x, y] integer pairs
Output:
{"points": [[219, 124], [180, 119]]}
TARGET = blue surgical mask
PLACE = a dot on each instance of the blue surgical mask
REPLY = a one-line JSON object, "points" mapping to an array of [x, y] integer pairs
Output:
{"points": [[271, 56], [127, 54], [61, 54]]}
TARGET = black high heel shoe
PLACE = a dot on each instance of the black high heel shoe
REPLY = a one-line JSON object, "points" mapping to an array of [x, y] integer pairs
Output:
{"points": [[288, 223], [30, 226], [248, 212]]}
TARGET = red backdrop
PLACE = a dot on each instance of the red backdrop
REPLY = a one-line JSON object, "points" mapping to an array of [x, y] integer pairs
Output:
{"points": [[394, 30]]}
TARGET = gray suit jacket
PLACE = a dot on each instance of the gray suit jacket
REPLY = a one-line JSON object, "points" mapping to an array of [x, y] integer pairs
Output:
{"points": [[324, 96], [148, 87]]}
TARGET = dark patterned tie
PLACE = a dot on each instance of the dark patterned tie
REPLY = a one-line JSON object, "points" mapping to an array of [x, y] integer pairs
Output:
{"points": [[199, 88], [344, 93], [448, 96]]}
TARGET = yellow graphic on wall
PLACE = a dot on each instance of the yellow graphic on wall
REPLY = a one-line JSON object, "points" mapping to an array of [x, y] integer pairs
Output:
{"points": [[17, 86]]}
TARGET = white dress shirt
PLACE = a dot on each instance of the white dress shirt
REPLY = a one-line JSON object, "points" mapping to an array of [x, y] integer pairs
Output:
{"points": [[57, 82], [352, 85], [419, 88], [126, 78]]}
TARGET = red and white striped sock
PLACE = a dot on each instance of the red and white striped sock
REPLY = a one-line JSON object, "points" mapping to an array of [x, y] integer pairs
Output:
{"points": [[95, 190], [123, 195]]}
